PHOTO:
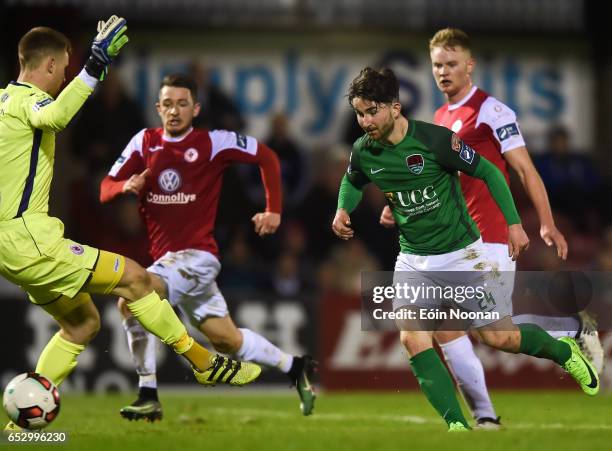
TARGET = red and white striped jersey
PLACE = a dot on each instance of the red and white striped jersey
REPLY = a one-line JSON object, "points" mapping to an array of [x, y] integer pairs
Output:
{"points": [[179, 201], [489, 127]]}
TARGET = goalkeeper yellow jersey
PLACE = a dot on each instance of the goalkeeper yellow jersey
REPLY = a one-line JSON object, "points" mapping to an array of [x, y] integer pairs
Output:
{"points": [[29, 119]]}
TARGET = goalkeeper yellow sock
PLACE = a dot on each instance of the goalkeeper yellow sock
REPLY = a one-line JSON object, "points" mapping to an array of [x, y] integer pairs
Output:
{"points": [[58, 359], [158, 317]]}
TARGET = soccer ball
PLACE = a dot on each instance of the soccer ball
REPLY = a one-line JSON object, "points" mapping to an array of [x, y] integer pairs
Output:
{"points": [[31, 401]]}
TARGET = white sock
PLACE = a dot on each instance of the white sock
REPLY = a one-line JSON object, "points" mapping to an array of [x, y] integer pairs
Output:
{"points": [[256, 348], [469, 374], [556, 326], [147, 380], [142, 346]]}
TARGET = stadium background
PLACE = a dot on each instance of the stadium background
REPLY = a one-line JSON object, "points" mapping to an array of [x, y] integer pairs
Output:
{"points": [[288, 63]]}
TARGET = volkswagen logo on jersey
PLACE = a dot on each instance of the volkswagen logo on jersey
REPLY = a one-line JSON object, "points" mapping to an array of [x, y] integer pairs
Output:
{"points": [[415, 163], [169, 181], [191, 155]]}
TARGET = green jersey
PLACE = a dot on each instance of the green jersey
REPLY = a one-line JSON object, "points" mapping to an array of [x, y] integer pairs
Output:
{"points": [[29, 119], [421, 185]]}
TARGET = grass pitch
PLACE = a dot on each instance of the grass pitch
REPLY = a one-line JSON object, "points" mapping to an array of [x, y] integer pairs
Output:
{"points": [[255, 421]]}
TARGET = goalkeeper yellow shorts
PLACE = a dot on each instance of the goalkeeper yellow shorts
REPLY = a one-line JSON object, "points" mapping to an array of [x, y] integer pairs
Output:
{"points": [[35, 255]]}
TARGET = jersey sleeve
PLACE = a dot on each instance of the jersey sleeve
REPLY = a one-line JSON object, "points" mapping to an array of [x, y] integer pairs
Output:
{"points": [[351, 186], [452, 153], [130, 162], [131, 159], [354, 172], [231, 147], [502, 121], [43, 112]]}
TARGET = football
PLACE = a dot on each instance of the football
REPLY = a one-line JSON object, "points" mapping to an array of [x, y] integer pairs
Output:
{"points": [[31, 401]]}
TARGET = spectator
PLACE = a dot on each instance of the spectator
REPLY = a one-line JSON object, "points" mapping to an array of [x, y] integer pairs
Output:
{"points": [[294, 167], [317, 209], [219, 112], [571, 179], [287, 280], [241, 271], [295, 270], [106, 124], [294, 164], [342, 272]]}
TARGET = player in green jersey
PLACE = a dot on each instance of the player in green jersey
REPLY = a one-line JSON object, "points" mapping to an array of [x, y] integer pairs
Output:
{"points": [[58, 274], [415, 164]]}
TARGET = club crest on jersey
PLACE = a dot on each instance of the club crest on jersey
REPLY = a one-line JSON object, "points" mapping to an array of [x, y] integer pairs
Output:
{"points": [[191, 155], [77, 249], [455, 143], [415, 163], [169, 180]]}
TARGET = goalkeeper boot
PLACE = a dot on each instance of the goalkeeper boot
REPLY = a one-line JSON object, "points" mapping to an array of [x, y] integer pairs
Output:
{"points": [[224, 370], [580, 368], [457, 426], [300, 374], [589, 342], [12, 427], [143, 409]]}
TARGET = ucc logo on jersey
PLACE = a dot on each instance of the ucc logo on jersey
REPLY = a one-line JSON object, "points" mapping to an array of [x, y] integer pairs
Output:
{"points": [[416, 201], [415, 163], [169, 181]]}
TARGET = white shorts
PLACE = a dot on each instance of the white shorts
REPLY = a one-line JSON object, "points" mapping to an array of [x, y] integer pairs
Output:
{"points": [[479, 265], [497, 254], [190, 276]]}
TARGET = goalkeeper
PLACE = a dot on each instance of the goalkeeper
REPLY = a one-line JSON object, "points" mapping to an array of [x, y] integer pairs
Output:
{"points": [[59, 274]]}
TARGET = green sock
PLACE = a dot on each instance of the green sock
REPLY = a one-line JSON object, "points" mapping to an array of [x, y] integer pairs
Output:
{"points": [[437, 385], [537, 342], [58, 359]]}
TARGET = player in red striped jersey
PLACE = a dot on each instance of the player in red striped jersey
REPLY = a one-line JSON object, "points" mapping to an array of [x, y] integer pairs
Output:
{"points": [[491, 128], [176, 171]]}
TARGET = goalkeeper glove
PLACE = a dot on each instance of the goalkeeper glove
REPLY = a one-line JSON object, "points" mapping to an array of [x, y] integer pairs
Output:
{"points": [[106, 46]]}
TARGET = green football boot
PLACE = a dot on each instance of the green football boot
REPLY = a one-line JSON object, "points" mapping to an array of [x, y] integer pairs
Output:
{"points": [[580, 368], [457, 426], [303, 385]]}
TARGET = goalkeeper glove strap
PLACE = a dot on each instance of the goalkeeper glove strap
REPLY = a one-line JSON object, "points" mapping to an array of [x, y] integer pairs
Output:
{"points": [[96, 68]]}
